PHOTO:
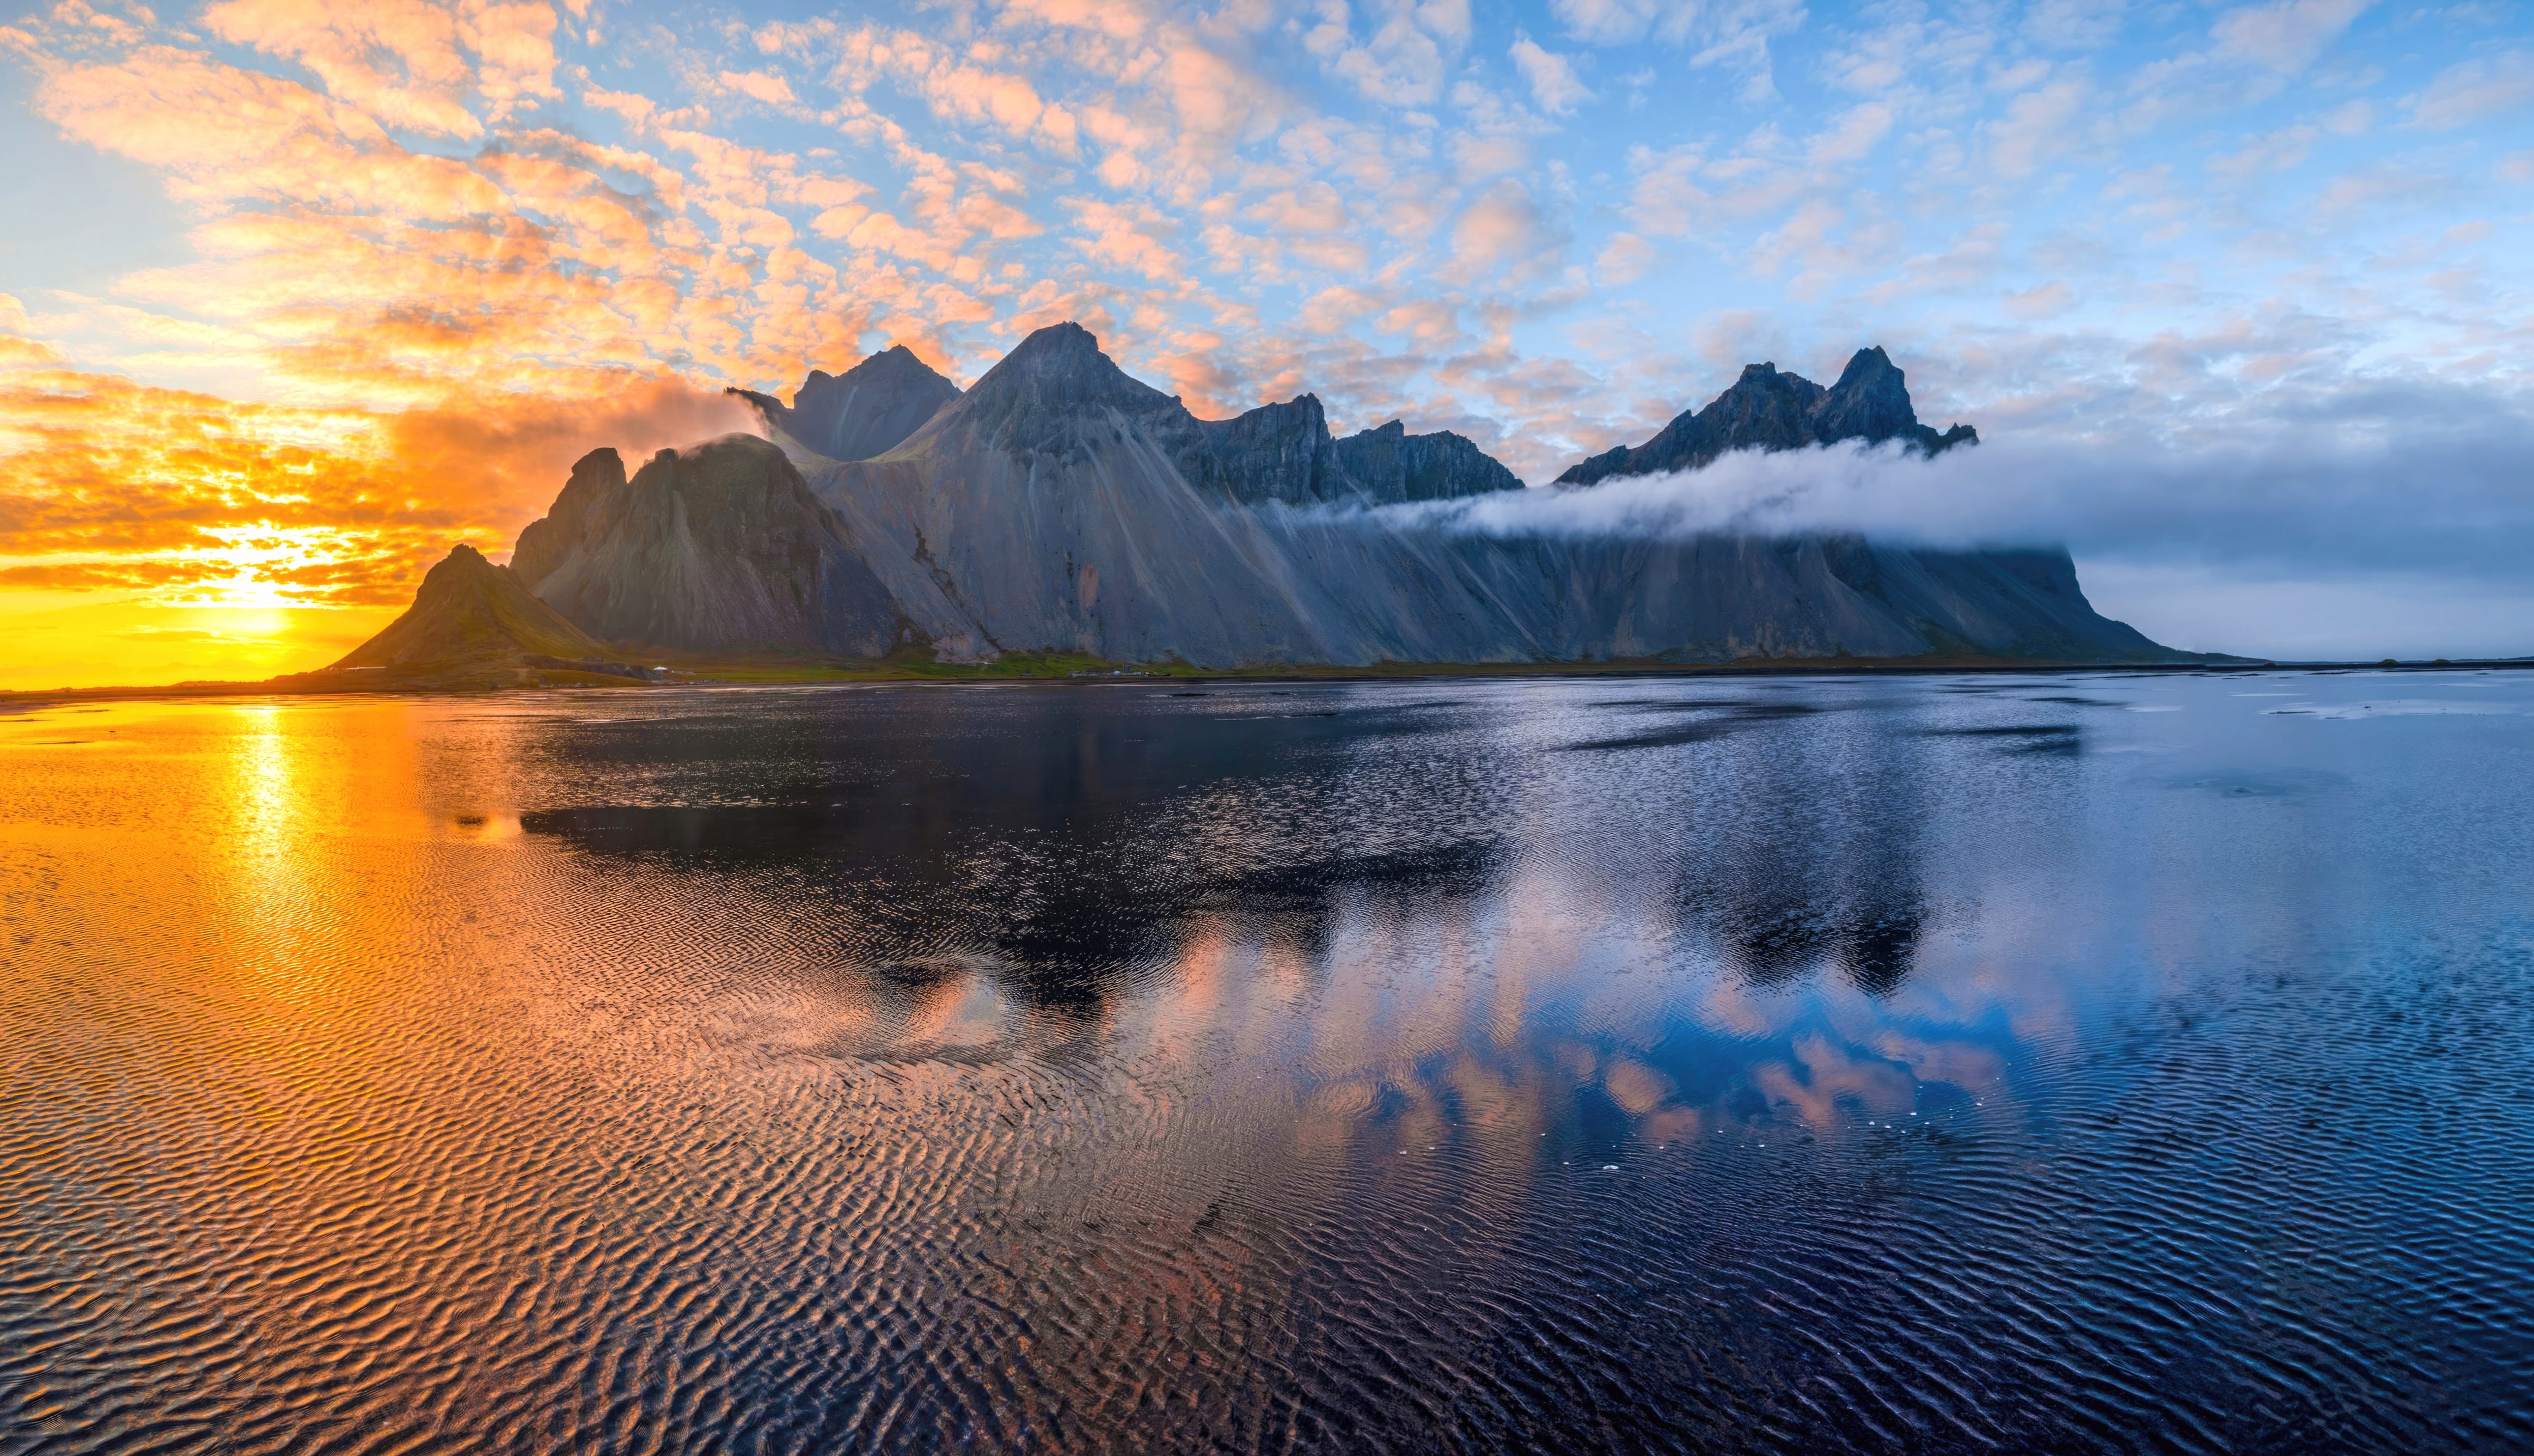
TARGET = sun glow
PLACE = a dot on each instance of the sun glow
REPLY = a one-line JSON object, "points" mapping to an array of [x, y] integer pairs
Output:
{"points": [[300, 529]]}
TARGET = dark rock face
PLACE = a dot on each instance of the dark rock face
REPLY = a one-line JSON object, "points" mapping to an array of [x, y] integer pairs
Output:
{"points": [[1768, 409], [1390, 467], [472, 620], [862, 412], [1274, 453], [720, 548]]}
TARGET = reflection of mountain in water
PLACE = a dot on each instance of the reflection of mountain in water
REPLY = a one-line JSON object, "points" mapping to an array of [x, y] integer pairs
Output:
{"points": [[1077, 839], [1069, 838], [1813, 861]]}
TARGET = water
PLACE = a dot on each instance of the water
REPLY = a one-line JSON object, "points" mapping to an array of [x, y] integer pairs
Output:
{"points": [[2023, 1064]]}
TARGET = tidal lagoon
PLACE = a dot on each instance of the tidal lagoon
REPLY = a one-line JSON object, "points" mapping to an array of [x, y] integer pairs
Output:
{"points": [[2089, 1062]]}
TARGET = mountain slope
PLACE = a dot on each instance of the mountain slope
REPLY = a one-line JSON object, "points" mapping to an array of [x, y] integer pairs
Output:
{"points": [[864, 411], [1769, 410], [717, 548], [473, 621]]}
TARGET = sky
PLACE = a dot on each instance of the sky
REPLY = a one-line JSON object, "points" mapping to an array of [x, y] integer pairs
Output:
{"points": [[292, 295]]}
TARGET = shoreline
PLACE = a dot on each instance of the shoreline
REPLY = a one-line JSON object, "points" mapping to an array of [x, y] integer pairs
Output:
{"points": [[761, 674]]}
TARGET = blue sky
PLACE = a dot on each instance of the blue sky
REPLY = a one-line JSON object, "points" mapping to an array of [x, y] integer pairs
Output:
{"points": [[2215, 242]]}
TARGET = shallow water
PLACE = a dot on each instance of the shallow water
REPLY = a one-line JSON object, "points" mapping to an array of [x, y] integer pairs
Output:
{"points": [[2081, 1063]]}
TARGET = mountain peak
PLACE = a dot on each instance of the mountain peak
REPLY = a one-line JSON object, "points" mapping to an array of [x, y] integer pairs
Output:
{"points": [[864, 411], [1041, 394], [472, 617], [1066, 340], [1868, 360], [1870, 402], [1769, 409], [897, 362]]}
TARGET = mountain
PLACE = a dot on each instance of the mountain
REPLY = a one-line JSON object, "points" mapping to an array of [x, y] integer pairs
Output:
{"points": [[475, 624], [717, 548], [1769, 410], [1062, 506], [862, 412]]}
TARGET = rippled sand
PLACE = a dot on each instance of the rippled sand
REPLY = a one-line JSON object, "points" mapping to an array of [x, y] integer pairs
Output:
{"points": [[1978, 1064]]}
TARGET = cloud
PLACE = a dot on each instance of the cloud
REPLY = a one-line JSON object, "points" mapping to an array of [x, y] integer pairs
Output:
{"points": [[2398, 524], [1626, 258], [1665, 199], [2388, 477], [114, 484], [1503, 228], [1853, 135], [412, 65], [2039, 126], [2475, 92], [1403, 62], [1551, 77], [1732, 34], [2041, 302], [2286, 37], [1625, 22]]}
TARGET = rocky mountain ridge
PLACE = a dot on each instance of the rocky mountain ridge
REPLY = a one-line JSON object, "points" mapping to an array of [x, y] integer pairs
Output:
{"points": [[1060, 505], [1767, 409]]}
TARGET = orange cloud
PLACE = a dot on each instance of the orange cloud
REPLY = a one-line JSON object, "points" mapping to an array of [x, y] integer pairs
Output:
{"points": [[116, 485]]}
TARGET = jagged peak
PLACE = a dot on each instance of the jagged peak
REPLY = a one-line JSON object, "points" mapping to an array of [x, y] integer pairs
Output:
{"points": [[1059, 365], [601, 458], [1767, 409], [1866, 363], [1066, 340], [897, 356], [463, 571], [1304, 407], [1870, 402]]}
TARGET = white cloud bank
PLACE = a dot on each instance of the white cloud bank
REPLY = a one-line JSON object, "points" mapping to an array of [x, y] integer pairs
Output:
{"points": [[2406, 541]]}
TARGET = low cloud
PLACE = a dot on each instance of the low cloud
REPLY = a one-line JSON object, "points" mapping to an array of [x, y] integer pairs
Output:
{"points": [[2399, 506], [2456, 502]]}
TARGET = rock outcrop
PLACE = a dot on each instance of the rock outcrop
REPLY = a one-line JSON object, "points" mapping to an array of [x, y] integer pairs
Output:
{"points": [[1769, 409], [862, 412], [717, 548], [1390, 467]]}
